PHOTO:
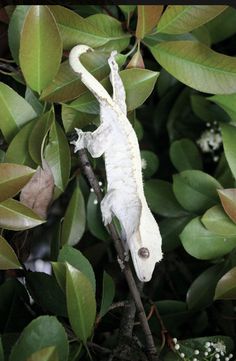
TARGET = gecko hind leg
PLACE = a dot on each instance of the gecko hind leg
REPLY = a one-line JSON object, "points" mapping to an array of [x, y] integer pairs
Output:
{"points": [[106, 208]]}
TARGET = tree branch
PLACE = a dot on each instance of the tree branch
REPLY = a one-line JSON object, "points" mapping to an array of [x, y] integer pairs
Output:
{"points": [[151, 349]]}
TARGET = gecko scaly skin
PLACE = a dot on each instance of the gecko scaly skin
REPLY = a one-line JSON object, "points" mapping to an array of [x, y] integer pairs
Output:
{"points": [[116, 139]]}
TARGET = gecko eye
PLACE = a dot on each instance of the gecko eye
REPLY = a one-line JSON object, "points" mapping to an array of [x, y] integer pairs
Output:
{"points": [[143, 252]]}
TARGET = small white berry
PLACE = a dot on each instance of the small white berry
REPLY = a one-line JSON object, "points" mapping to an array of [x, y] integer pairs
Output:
{"points": [[100, 183], [226, 359], [206, 353], [217, 356], [91, 190], [196, 352], [182, 355], [230, 355], [177, 346], [175, 340], [195, 359], [209, 349], [95, 201], [207, 344]]}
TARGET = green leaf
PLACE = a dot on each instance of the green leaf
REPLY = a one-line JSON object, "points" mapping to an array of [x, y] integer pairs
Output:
{"points": [[67, 84], [81, 303], [46, 294], [161, 199], [195, 190], [148, 17], [76, 259], [201, 292], [150, 163], [40, 47], [203, 244], [206, 110], [217, 221], [38, 133], [17, 217], [46, 354], [227, 102], [94, 31], [15, 28], [127, 9], [57, 154], [94, 219], [73, 225], [42, 332], [184, 155], [170, 229], [108, 293], [197, 66], [228, 201], [228, 135], [179, 19], [13, 177], [139, 84], [8, 258], [217, 31], [18, 152], [32, 98], [59, 269], [226, 287], [72, 118], [14, 112]]}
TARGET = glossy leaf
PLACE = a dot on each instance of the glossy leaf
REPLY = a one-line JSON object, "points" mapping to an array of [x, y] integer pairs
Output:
{"points": [[228, 201], [227, 102], [47, 331], [81, 303], [203, 244], [13, 177], [195, 190], [201, 292], [217, 221], [148, 16], [94, 219], [138, 83], [228, 134], [44, 290], [217, 31], [46, 354], [226, 287], [127, 9], [18, 152], [170, 229], [14, 112], [8, 259], [57, 154], [185, 155], [161, 199], [72, 118], [73, 225], [39, 131], [67, 84], [59, 270], [14, 30], [76, 259], [197, 66], [94, 31], [150, 163], [179, 19], [40, 47], [15, 216], [32, 98], [108, 293]]}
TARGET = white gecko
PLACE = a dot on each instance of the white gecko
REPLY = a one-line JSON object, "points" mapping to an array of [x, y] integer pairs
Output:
{"points": [[116, 139]]}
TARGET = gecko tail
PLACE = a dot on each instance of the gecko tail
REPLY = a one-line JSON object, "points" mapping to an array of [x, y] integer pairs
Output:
{"points": [[145, 246]]}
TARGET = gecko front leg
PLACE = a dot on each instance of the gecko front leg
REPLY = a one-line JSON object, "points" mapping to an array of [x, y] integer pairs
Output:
{"points": [[95, 142]]}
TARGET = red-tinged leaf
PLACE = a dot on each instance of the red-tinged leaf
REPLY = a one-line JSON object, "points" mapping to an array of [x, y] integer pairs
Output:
{"points": [[40, 47], [37, 194], [46, 354], [14, 112], [226, 287], [13, 177], [228, 201], [8, 259], [17, 217], [136, 61], [148, 16]]}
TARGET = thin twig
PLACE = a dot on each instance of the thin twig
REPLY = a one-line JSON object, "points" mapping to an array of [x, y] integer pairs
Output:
{"points": [[151, 349]]}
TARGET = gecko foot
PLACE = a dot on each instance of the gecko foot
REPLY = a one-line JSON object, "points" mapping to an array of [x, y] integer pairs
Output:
{"points": [[79, 143]]}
